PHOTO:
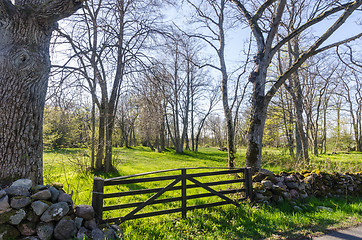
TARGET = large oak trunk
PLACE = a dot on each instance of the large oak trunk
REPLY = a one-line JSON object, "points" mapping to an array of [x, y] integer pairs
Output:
{"points": [[25, 33]]}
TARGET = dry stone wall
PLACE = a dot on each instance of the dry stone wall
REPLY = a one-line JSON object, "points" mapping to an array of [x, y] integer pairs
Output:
{"points": [[269, 187], [44, 212]]}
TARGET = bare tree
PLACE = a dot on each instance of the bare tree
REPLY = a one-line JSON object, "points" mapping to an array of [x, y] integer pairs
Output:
{"points": [[212, 16], [268, 45], [108, 47]]}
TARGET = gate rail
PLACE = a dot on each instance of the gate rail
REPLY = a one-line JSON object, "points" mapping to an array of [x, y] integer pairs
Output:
{"points": [[100, 183]]}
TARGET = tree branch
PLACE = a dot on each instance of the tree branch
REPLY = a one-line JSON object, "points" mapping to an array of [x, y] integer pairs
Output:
{"points": [[262, 8], [310, 23], [312, 50], [54, 10], [253, 24], [338, 43], [275, 25]]}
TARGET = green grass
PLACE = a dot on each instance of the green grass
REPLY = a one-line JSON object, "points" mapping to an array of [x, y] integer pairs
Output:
{"points": [[70, 167]]}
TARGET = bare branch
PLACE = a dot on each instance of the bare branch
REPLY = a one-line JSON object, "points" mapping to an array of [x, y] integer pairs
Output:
{"points": [[253, 24], [338, 43], [275, 25], [262, 8], [312, 50], [310, 23]]}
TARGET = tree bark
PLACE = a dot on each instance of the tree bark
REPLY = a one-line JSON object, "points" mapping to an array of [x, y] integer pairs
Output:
{"points": [[25, 32]]}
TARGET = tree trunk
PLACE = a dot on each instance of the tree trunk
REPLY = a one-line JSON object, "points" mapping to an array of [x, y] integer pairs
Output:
{"points": [[25, 34], [93, 139], [101, 131], [255, 133]]}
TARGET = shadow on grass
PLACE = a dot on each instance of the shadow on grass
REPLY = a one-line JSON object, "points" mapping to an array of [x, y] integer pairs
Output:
{"points": [[212, 156], [258, 222]]}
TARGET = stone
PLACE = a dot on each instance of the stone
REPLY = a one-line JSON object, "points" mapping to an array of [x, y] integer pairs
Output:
{"points": [[55, 212], [267, 172], [259, 177], [26, 183], [8, 232], [85, 211], [282, 185], [292, 185], [2, 193], [78, 222], [309, 179], [260, 196], [279, 178], [297, 208], [4, 203], [17, 217], [90, 224], [286, 195], [294, 194], [65, 229], [118, 231], [38, 188], [110, 234], [303, 194], [32, 217], [45, 230], [325, 208], [83, 233], [17, 191], [258, 187], [55, 193], [58, 186], [267, 184], [27, 228], [42, 195], [63, 197], [302, 186], [290, 178], [19, 202], [97, 234], [5, 215], [39, 207]]}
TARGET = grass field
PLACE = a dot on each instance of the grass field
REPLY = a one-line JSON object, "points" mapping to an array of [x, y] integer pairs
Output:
{"points": [[249, 221]]}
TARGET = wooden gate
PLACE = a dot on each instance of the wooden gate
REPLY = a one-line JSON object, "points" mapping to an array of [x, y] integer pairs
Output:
{"points": [[99, 196]]}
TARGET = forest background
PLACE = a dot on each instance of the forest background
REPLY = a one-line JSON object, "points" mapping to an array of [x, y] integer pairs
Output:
{"points": [[129, 73]]}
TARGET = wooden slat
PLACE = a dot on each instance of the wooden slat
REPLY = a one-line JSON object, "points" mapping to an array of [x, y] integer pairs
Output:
{"points": [[205, 174], [138, 180], [143, 215], [163, 171], [129, 205]]}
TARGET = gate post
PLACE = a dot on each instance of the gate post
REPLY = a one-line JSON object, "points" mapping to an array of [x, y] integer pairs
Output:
{"points": [[97, 198], [183, 193], [249, 184]]}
